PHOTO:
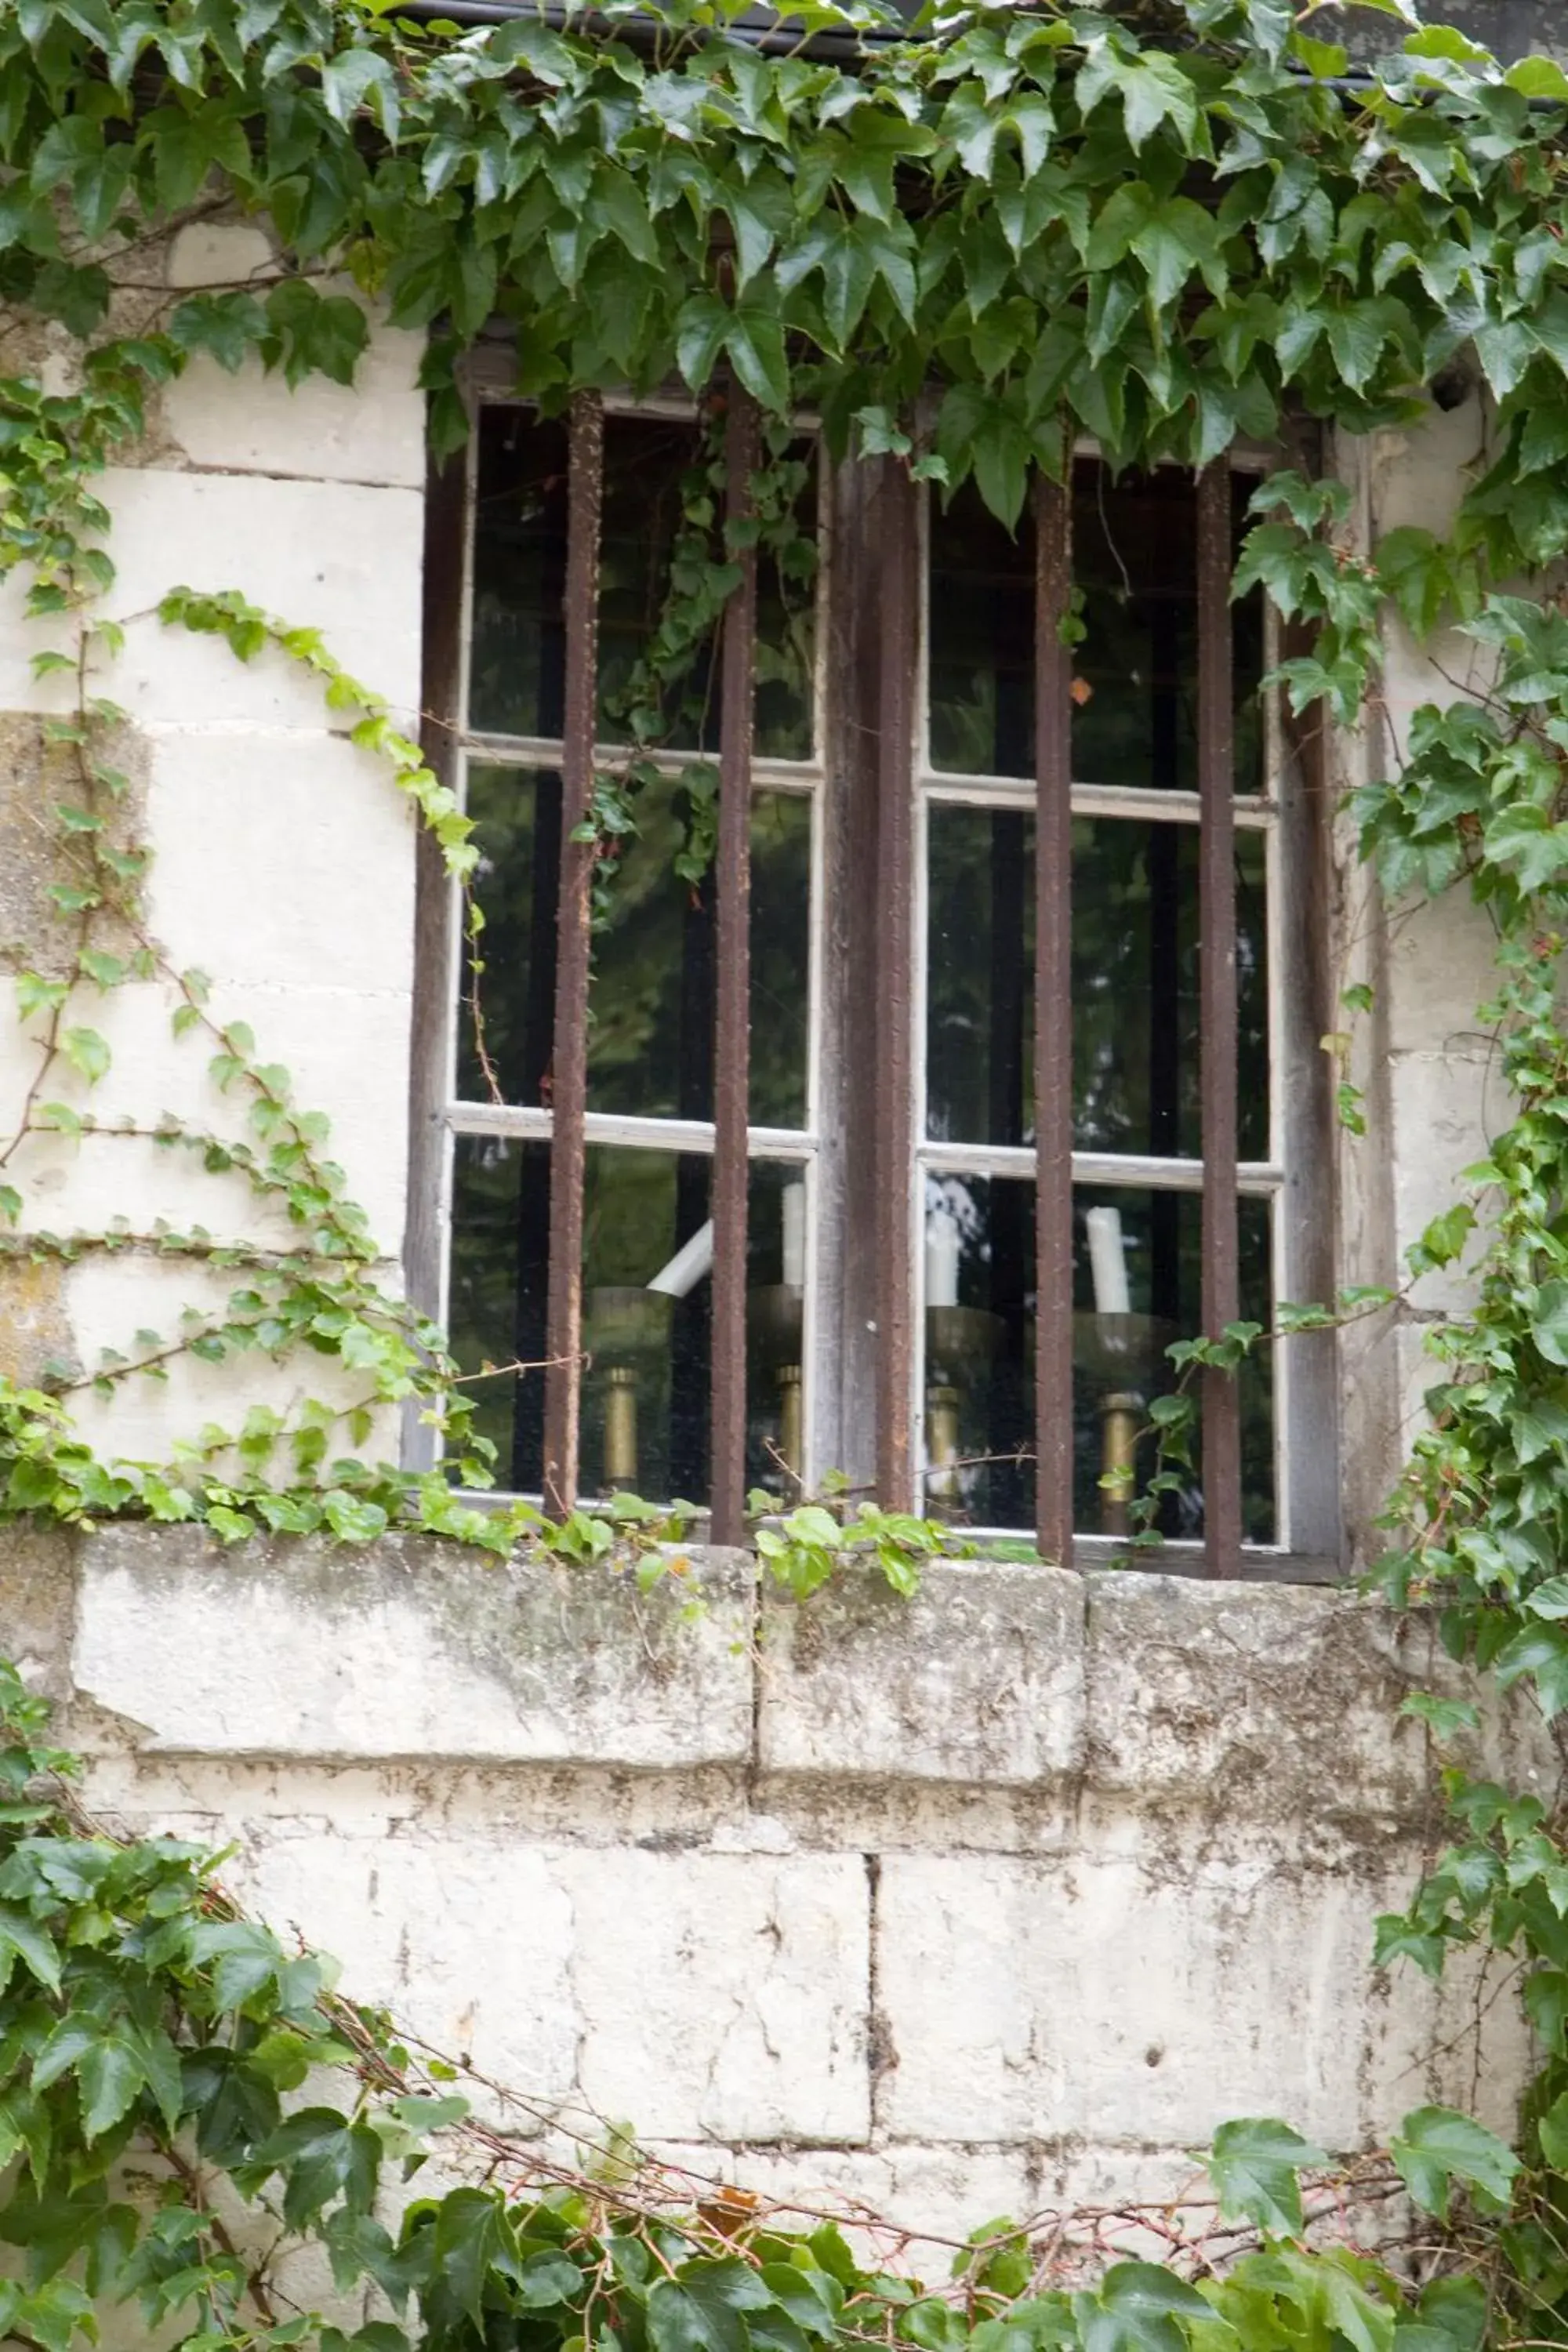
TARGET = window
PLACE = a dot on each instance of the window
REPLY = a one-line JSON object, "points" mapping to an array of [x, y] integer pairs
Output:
{"points": [[978, 1200]]}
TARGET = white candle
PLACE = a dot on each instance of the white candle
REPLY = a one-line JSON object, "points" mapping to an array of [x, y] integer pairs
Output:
{"points": [[1108, 1262], [794, 1236], [941, 1258], [689, 1265]]}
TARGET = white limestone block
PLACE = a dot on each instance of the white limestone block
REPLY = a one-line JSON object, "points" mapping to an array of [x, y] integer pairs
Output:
{"points": [[723, 1997], [281, 858], [411, 1648], [252, 422], [979, 1678]]}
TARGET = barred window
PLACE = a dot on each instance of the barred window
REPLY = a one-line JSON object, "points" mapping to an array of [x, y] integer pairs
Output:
{"points": [[944, 1044]]}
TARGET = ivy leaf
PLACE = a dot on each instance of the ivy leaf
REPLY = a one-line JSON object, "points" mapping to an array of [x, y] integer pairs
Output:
{"points": [[470, 2233], [110, 2076], [1538, 78], [1436, 2146], [361, 77], [754, 340], [226, 326], [1540, 1652], [1254, 2166], [699, 331], [1546, 1999], [86, 1050], [21, 1938], [700, 2309], [1549, 1322], [1137, 2310]]}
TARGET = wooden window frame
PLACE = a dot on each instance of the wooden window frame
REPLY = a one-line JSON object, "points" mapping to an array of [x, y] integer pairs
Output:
{"points": [[866, 1177]]}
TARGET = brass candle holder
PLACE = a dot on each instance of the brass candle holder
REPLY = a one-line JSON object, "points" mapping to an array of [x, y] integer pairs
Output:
{"points": [[774, 1315], [625, 1333], [960, 1342], [1125, 1351]]}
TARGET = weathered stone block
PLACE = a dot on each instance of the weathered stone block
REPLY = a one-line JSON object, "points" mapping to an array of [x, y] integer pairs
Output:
{"points": [[336, 556], [469, 1941], [1140, 1998], [978, 1679], [723, 1997], [905, 2208], [413, 1648], [280, 858], [1278, 1701], [370, 431]]}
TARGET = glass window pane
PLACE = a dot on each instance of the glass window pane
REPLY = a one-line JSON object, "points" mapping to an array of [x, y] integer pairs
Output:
{"points": [[1135, 1011], [651, 465], [511, 1013], [650, 1046], [1136, 1287], [517, 659], [646, 1389], [518, 656], [1135, 673]]}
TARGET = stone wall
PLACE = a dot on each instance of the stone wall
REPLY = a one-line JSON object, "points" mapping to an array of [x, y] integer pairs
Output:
{"points": [[282, 859], [955, 1906]]}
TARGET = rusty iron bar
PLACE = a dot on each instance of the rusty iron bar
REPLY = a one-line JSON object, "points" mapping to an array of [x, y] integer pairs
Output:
{"points": [[731, 1043], [898, 553], [1053, 1025], [1218, 1018], [569, 1052]]}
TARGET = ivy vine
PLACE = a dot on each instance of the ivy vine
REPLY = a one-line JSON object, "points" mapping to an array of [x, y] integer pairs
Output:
{"points": [[1163, 224]]}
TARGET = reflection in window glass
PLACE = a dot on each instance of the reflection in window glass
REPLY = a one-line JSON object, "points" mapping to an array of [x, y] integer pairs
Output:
{"points": [[650, 1042], [1135, 674], [1135, 1005], [646, 1389], [1137, 1274], [517, 680], [516, 674]]}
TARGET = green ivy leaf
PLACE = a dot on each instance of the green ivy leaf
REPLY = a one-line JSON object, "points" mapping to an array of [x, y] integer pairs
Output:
{"points": [[1255, 2166], [1436, 2146]]}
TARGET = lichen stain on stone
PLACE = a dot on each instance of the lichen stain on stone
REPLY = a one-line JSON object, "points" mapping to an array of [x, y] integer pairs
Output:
{"points": [[35, 1328], [36, 777]]}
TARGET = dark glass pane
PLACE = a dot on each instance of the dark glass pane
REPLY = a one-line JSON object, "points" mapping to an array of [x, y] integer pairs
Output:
{"points": [[518, 661], [980, 1349], [1135, 1011], [650, 1051], [646, 1390], [517, 673], [980, 636], [650, 464], [1135, 673], [511, 1008], [650, 1046]]}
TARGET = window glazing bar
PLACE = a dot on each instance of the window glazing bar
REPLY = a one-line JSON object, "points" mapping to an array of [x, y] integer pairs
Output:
{"points": [[898, 540], [1218, 1019], [732, 1067], [1096, 800], [1132, 1172], [1053, 1025], [568, 1057]]}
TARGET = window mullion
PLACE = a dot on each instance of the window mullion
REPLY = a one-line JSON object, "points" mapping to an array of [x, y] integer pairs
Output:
{"points": [[1218, 1018], [732, 990], [569, 1058], [1053, 1026], [897, 520]]}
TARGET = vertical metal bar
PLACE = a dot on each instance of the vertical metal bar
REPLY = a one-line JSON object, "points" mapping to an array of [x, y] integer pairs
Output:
{"points": [[898, 551], [1217, 1017], [569, 1059], [1053, 1025], [732, 990]]}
